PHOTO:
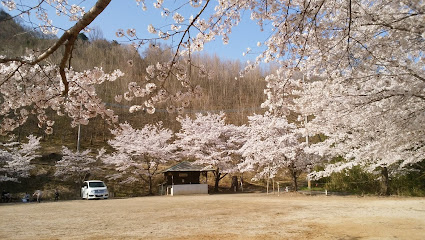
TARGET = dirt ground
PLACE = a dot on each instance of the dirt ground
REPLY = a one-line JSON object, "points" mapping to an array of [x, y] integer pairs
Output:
{"points": [[233, 216]]}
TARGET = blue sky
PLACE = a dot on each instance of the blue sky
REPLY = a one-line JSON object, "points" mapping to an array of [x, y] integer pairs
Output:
{"points": [[125, 14]]}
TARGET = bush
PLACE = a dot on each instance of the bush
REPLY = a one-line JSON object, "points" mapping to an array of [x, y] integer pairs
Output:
{"points": [[410, 184], [353, 180]]}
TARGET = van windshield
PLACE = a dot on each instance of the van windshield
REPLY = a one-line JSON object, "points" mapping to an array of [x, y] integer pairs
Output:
{"points": [[96, 184]]}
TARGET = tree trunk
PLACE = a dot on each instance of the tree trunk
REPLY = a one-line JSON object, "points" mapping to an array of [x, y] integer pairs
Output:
{"points": [[217, 179], [150, 185], [78, 190], [385, 190], [295, 180], [295, 184], [294, 176], [235, 185]]}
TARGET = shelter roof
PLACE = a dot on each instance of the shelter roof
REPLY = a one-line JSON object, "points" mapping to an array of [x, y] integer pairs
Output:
{"points": [[188, 167]]}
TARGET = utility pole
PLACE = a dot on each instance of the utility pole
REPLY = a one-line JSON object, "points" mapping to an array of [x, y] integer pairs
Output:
{"points": [[79, 128], [78, 138]]}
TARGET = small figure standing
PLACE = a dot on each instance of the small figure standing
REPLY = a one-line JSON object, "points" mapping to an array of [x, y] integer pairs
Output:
{"points": [[56, 195], [26, 198], [241, 181], [37, 195], [5, 196]]}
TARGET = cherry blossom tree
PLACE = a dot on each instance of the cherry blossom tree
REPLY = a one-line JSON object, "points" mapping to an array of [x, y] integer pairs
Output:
{"points": [[355, 130], [139, 152], [76, 166], [15, 159], [211, 141], [31, 84], [383, 135], [365, 85], [273, 144]]}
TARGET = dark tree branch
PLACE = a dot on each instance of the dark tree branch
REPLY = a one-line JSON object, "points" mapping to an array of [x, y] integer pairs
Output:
{"points": [[24, 12], [350, 19], [223, 176], [68, 39], [184, 34]]}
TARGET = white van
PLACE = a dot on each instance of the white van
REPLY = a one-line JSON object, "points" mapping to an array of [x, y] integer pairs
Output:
{"points": [[94, 189]]}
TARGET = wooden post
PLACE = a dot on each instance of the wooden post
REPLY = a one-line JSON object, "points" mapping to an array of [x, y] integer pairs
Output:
{"points": [[268, 186], [241, 182], [268, 179], [278, 189], [273, 184]]}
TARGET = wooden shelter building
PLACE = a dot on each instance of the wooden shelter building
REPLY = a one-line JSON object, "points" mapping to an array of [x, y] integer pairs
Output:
{"points": [[184, 178]]}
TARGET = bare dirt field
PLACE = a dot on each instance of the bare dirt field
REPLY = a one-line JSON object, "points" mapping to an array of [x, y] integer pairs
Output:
{"points": [[237, 216]]}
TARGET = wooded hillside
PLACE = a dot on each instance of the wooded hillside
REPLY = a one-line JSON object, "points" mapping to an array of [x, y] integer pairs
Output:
{"points": [[237, 97]]}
